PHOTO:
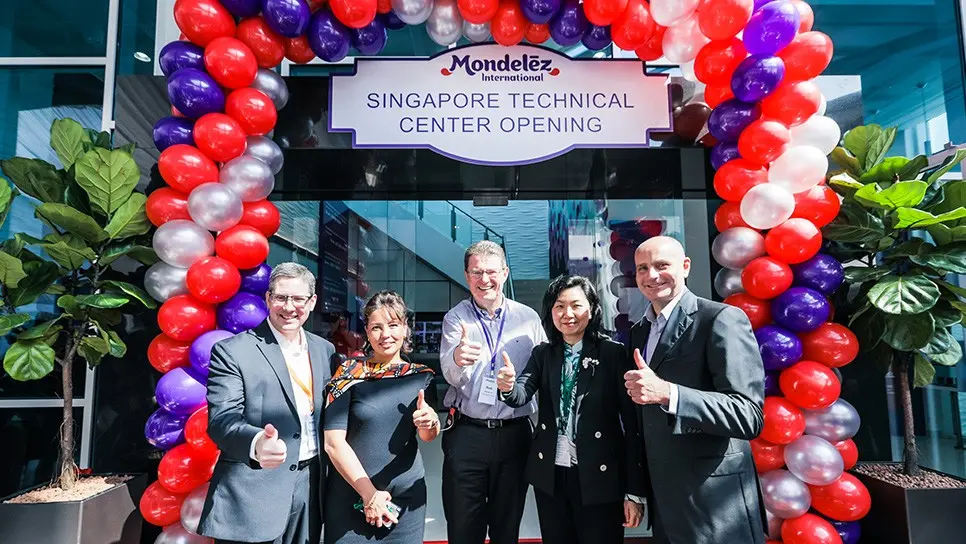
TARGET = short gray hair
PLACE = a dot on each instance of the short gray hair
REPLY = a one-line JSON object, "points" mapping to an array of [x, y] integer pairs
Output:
{"points": [[481, 249], [291, 270]]}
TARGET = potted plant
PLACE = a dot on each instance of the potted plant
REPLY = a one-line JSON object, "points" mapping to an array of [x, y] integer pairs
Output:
{"points": [[902, 228], [94, 217]]}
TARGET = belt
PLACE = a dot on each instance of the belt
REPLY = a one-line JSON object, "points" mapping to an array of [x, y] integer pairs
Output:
{"points": [[307, 462], [492, 423]]}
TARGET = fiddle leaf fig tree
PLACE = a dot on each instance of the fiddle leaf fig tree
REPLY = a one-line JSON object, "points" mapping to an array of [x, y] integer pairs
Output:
{"points": [[902, 227], [93, 217]]}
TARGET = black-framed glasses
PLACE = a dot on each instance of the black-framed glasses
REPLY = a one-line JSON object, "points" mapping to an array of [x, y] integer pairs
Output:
{"points": [[297, 300]]}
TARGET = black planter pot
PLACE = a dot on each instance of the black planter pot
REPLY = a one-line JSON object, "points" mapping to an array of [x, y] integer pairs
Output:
{"points": [[110, 517], [913, 516]]}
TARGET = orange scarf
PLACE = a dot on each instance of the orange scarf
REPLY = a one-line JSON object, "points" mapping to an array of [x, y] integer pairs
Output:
{"points": [[353, 371]]}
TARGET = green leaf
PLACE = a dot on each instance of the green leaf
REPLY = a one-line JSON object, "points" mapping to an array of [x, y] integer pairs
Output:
{"points": [[860, 274], [849, 164], [906, 249], [105, 318], [29, 360], [945, 314], [40, 276], [923, 372], [7, 194], [129, 219], [894, 169], [67, 137], [868, 144], [71, 220], [100, 139], [948, 164], [104, 300], [943, 349], [35, 177], [908, 332], [129, 148], [69, 304], [40, 331], [11, 322], [906, 218], [132, 290], [845, 184], [68, 250], [898, 195], [118, 347], [108, 177], [142, 254], [950, 257], [904, 294], [93, 349], [11, 270], [954, 198], [954, 289], [854, 224]]}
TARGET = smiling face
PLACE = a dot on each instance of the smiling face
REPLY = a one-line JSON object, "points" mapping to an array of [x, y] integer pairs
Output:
{"points": [[485, 275], [662, 268], [386, 332], [571, 314], [290, 303]]}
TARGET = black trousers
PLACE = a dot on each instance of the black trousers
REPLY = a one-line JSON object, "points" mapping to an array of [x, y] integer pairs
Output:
{"points": [[483, 482], [564, 519]]}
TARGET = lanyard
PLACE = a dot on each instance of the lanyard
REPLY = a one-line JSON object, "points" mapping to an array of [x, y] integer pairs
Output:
{"points": [[307, 389], [486, 334]]}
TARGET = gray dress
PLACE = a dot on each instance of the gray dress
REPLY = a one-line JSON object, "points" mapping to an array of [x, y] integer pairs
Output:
{"points": [[378, 418]]}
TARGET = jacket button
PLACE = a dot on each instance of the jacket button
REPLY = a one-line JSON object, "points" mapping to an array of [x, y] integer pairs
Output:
{"points": [[539, 456], [543, 426], [603, 468], [293, 467], [597, 434], [296, 436]]}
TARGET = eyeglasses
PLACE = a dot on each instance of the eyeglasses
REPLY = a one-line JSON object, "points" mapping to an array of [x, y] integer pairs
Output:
{"points": [[297, 300], [478, 274]]}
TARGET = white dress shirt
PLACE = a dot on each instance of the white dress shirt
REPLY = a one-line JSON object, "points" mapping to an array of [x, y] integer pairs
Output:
{"points": [[658, 323]]}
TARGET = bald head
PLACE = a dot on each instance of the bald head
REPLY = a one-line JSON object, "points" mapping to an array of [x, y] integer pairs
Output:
{"points": [[662, 268], [663, 244]]}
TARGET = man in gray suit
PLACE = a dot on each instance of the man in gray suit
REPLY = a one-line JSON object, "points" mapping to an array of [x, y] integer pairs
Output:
{"points": [[700, 381], [265, 400]]}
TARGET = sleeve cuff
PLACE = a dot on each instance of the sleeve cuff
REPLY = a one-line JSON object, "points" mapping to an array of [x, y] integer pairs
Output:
{"points": [[633, 498], [251, 450], [672, 405]]}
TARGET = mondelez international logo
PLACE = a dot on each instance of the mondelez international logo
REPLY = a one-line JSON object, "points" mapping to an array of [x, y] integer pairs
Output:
{"points": [[520, 68]]}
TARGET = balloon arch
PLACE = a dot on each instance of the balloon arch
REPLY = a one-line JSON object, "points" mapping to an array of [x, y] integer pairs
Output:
{"points": [[755, 60]]}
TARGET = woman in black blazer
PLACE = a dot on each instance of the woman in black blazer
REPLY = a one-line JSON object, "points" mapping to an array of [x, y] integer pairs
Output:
{"points": [[585, 460]]}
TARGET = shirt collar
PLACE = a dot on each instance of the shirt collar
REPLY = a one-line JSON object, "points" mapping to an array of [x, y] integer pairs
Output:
{"points": [[284, 342], [576, 348], [496, 314], [666, 312]]}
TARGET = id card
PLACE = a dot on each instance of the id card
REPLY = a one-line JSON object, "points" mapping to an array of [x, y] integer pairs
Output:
{"points": [[488, 391]]}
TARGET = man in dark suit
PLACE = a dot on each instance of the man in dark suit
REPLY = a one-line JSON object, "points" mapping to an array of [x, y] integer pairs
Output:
{"points": [[700, 381], [265, 400]]}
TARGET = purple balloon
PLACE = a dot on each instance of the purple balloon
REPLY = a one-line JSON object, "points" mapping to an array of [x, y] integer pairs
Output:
{"points": [[540, 11], [289, 18], [850, 531], [243, 8], [760, 3], [771, 384], [164, 430], [178, 393], [242, 312], [200, 353], [757, 77], [822, 272], [596, 37], [392, 21], [195, 93], [730, 118], [178, 54], [255, 280], [370, 39], [771, 28], [800, 309], [329, 39], [169, 131], [779, 347], [723, 152], [569, 24]]}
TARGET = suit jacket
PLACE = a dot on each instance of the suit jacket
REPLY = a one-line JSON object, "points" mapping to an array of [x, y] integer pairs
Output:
{"points": [[608, 442], [705, 486], [248, 387]]}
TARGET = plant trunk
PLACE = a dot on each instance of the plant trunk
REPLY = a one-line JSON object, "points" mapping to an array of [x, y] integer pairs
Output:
{"points": [[68, 469], [900, 372]]}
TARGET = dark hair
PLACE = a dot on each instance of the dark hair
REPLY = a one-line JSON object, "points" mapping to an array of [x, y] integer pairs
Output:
{"points": [[595, 328], [393, 303]]}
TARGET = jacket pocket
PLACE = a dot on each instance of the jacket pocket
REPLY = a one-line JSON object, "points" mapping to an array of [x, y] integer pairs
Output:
{"points": [[719, 465]]}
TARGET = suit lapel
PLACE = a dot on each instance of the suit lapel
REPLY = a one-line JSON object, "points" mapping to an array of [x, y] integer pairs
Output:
{"points": [[556, 376], [677, 324], [320, 371], [273, 354]]}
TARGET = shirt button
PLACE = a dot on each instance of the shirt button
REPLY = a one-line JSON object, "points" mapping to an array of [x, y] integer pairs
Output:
{"points": [[597, 434], [293, 467], [539, 456], [603, 468], [543, 426], [296, 436]]}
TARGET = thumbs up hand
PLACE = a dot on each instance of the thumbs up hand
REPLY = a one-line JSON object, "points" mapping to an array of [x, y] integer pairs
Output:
{"points": [[644, 386], [506, 376], [424, 417], [467, 352], [269, 449]]}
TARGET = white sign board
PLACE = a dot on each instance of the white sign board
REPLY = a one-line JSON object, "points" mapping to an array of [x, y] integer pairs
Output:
{"points": [[494, 105]]}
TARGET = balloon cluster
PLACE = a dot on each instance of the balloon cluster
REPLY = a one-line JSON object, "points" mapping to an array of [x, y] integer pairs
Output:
{"points": [[625, 236]]}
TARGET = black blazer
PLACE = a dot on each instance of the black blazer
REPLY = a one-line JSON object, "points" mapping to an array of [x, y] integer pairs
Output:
{"points": [[609, 453]]}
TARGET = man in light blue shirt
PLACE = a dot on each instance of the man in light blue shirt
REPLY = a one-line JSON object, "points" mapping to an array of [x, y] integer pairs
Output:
{"points": [[486, 448]]}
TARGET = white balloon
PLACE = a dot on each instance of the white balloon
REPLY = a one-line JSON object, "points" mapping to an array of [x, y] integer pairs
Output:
{"points": [[683, 41], [823, 104], [163, 281], [181, 242], [191, 508], [176, 534], [445, 23], [766, 206], [476, 32], [784, 495], [799, 168], [670, 12], [412, 12], [814, 460], [214, 206], [835, 423], [736, 247], [727, 282], [687, 71], [819, 132], [249, 178]]}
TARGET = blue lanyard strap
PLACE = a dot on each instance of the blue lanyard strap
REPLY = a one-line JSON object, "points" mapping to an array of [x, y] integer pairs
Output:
{"points": [[486, 334]]}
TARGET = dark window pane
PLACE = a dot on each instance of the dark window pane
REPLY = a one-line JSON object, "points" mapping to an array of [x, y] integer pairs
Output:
{"points": [[53, 28], [137, 35], [46, 387], [29, 455]]}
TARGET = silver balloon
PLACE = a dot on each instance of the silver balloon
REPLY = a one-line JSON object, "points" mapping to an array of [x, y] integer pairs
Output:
{"points": [[814, 460], [412, 12], [176, 534], [737, 246], [248, 177], [191, 508], [445, 24], [476, 32], [774, 529], [214, 206], [835, 423], [728, 282], [273, 85], [266, 150], [181, 242], [784, 495], [163, 281]]}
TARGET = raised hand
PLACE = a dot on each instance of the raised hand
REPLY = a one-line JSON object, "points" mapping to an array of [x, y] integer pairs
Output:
{"points": [[425, 416], [467, 352], [644, 386], [506, 376], [269, 449]]}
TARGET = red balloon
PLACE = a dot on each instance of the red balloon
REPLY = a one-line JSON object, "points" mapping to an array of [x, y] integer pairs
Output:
{"points": [[230, 62], [736, 177], [723, 19], [763, 141], [792, 103], [805, 14], [767, 456], [810, 385], [632, 28], [165, 204], [382, 6], [243, 246], [184, 318], [766, 278], [653, 48], [185, 167], [717, 60], [537, 33], [849, 452], [253, 110], [354, 13], [807, 56], [268, 47], [478, 11], [845, 499], [166, 354], [714, 95], [263, 215], [831, 344], [728, 215], [213, 280], [757, 310], [298, 51], [604, 12], [809, 529], [820, 205], [196, 433], [182, 468], [794, 241], [509, 25], [219, 137], [203, 20], [784, 422], [159, 506]]}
